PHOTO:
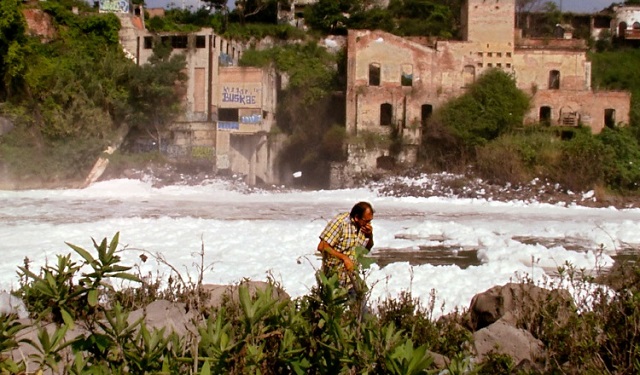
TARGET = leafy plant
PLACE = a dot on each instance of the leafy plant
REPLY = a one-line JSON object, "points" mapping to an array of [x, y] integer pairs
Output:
{"points": [[53, 293]]}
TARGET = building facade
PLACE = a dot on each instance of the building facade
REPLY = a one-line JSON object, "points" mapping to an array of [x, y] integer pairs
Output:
{"points": [[228, 110], [394, 84]]}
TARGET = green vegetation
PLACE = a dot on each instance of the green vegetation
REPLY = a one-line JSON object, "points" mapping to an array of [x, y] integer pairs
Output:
{"points": [[483, 129], [66, 97], [313, 141], [323, 332]]}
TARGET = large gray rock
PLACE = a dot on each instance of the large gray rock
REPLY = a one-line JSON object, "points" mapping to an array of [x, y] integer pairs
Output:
{"points": [[503, 338], [173, 316], [514, 303]]}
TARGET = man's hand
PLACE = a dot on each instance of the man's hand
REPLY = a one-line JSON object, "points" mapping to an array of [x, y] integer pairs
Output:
{"points": [[367, 230]]}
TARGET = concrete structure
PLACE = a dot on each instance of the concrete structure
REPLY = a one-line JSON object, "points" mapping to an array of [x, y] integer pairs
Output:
{"points": [[626, 24], [292, 12], [394, 84], [228, 110]]}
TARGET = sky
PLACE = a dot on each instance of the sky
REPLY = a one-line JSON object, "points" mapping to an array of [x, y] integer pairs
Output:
{"points": [[260, 235]]}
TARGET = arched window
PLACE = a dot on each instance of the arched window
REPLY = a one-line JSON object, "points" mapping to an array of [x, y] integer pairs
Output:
{"points": [[554, 80], [386, 114], [622, 29], [374, 74], [469, 75], [636, 25]]}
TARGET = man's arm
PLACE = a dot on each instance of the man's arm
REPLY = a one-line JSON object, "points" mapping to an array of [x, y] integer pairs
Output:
{"points": [[324, 247]]}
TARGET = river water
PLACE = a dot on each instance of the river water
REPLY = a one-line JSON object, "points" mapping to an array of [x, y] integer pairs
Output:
{"points": [[452, 247]]}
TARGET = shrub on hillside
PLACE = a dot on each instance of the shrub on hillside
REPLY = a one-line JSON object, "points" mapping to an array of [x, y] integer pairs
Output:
{"points": [[622, 158], [492, 106]]}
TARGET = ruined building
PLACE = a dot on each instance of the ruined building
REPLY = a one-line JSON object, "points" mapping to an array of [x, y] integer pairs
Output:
{"points": [[394, 84], [228, 110]]}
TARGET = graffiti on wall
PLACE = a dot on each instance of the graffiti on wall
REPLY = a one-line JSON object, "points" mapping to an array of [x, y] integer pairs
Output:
{"points": [[228, 125], [251, 119], [240, 95], [116, 6]]}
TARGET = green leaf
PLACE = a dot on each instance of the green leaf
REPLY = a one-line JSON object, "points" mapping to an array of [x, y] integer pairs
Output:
{"points": [[67, 318], [83, 253], [206, 370], [92, 297], [127, 276]]}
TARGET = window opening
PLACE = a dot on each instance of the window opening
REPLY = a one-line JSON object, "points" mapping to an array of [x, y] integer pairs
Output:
{"points": [[386, 114], [426, 110], [610, 117], [545, 115], [406, 79], [554, 80], [201, 41], [374, 74], [228, 114]]}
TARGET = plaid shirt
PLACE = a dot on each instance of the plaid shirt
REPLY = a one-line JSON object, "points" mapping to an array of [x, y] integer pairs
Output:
{"points": [[343, 235]]}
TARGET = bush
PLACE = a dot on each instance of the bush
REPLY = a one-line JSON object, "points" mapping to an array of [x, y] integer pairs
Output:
{"points": [[492, 106], [621, 158]]}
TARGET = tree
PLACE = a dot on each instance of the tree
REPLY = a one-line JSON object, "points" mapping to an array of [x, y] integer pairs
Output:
{"points": [[329, 16], [157, 90], [12, 36], [492, 106]]}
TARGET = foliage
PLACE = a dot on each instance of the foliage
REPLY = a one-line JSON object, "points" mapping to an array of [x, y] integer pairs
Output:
{"points": [[314, 141], [613, 70], [401, 17], [156, 89], [53, 294], [492, 106], [621, 164], [12, 36], [326, 331], [423, 17]]}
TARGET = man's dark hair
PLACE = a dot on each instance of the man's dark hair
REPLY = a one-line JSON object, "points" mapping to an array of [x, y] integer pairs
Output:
{"points": [[359, 209]]}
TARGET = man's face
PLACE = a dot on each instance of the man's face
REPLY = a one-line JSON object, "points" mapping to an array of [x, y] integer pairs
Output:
{"points": [[365, 220]]}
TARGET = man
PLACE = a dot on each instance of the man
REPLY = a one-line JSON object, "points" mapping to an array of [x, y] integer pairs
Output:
{"points": [[340, 238]]}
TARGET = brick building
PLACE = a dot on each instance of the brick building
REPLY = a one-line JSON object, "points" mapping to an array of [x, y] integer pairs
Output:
{"points": [[394, 84]]}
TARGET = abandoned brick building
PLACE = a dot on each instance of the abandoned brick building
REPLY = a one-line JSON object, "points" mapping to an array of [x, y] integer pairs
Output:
{"points": [[228, 110], [394, 84]]}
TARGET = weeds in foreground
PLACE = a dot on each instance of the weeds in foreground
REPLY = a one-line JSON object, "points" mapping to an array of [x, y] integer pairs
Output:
{"points": [[324, 332]]}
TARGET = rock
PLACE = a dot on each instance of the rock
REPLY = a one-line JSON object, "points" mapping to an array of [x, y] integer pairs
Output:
{"points": [[440, 361], [503, 338], [172, 315], [10, 304], [514, 303]]}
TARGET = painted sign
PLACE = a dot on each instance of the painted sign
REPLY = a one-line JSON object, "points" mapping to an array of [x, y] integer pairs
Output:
{"points": [[237, 95], [240, 95], [114, 6]]}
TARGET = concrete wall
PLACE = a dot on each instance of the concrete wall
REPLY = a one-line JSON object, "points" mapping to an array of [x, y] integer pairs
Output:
{"points": [[627, 15], [244, 147], [590, 107]]}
